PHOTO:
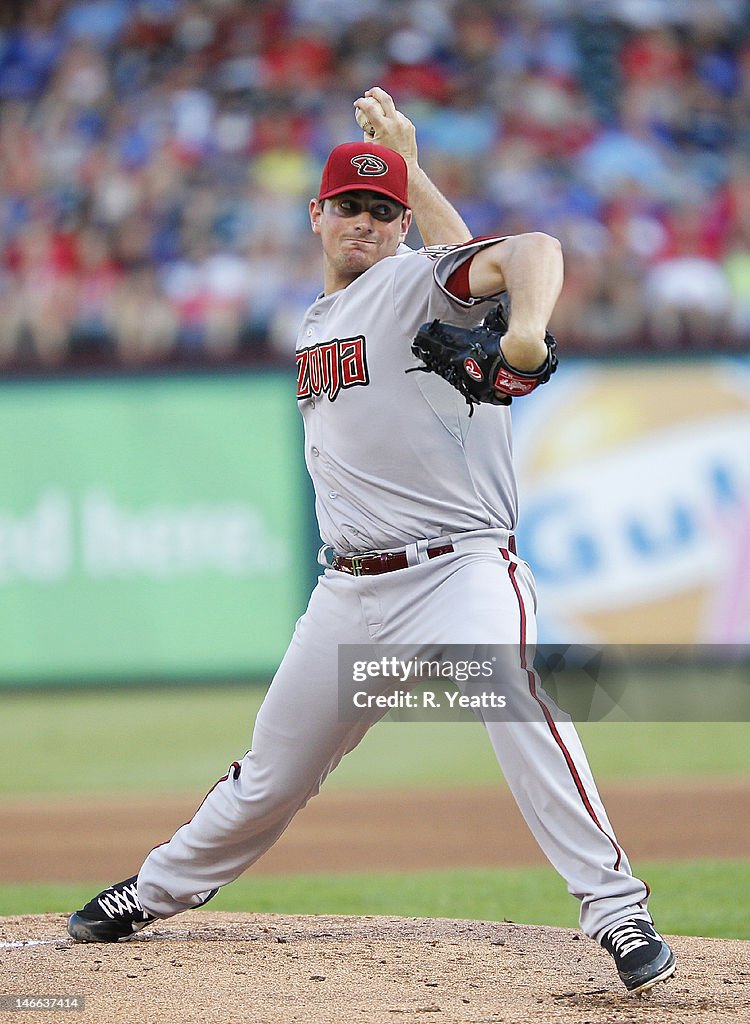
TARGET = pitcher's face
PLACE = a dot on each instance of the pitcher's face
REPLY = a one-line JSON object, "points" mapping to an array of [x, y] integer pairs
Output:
{"points": [[357, 230]]}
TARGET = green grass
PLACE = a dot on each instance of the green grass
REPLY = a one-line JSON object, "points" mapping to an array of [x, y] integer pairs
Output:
{"points": [[119, 741], [135, 741], [698, 898]]}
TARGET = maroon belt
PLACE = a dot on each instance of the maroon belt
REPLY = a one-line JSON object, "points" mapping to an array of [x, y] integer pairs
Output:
{"points": [[388, 561]]}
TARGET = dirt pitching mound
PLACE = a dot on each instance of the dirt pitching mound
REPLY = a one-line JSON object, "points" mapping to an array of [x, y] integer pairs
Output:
{"points": [[274, 969]]}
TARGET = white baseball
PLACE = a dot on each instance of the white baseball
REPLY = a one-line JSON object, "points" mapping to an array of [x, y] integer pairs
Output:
{"points": [[363, 123]]}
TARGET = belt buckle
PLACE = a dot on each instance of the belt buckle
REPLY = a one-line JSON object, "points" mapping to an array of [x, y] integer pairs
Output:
{"points": [[356, 565]]}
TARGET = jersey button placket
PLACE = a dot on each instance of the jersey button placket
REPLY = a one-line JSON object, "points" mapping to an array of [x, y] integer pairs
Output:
{"points": [[309, 333]]}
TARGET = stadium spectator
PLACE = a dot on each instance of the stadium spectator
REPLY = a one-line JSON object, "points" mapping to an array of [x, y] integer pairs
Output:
{"points": [[153, 154]]}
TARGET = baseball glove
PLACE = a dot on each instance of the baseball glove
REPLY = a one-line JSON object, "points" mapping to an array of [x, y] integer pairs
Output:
{"points": [[470, 358]]}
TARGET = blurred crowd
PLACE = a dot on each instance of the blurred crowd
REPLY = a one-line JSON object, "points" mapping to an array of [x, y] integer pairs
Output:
{"points": [[157, 156]]}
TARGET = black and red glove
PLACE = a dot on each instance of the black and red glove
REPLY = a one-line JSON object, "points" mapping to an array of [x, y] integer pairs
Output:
{"points": [[472, 361]]}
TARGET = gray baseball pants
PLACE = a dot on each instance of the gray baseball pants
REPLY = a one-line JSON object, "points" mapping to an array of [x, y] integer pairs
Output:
{"points": [[480, 594]]}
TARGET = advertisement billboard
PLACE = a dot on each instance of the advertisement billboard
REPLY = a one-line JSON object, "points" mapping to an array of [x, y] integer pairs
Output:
{"points": [[159, 528], [635, 501], [150, 528]]}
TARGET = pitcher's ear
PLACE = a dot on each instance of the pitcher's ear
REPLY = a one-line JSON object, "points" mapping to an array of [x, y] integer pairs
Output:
{"points": [[406, 219]]}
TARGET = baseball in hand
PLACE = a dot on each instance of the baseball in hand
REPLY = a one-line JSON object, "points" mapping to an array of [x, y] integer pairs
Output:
{"points": [[363, 123]]}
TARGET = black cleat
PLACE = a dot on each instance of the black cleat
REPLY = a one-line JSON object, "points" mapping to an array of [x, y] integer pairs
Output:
{"points": [[642, 956], [116, 913]]}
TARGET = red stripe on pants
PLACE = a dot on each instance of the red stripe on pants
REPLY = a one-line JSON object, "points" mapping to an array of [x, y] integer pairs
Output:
{"points": [[531, 676]]}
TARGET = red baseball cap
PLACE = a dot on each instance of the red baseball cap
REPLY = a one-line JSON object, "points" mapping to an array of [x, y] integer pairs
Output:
{"points": [[355, 166]]}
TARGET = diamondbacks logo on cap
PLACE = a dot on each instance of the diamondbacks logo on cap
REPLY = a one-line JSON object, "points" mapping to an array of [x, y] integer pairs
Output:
{"points": [[370, 166]]}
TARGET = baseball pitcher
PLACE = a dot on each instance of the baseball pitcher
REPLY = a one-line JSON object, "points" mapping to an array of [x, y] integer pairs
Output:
{"points": [[406, 369]]}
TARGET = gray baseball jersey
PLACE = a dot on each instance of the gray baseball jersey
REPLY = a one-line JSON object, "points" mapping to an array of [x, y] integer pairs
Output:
{"points": [[398, 465], [394, 456]]}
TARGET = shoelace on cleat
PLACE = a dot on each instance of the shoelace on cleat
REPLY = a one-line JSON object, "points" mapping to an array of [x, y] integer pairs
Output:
{"points": [[120, 902], [627, 938]]}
